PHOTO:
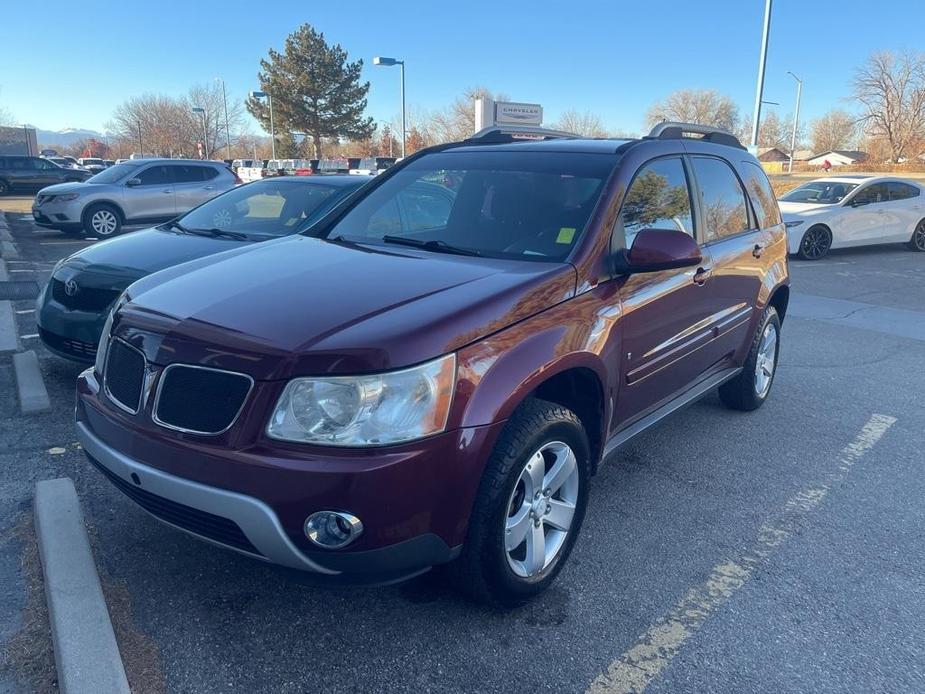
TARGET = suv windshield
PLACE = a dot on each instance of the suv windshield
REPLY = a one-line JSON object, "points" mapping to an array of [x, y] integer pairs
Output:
{"points": [[267, 208], [526, 205], [114, 173], [820, 192]]}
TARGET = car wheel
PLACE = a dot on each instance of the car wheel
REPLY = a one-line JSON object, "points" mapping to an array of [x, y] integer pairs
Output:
{"points": [[816, 243], [102, 220], [530, 506], [4, 188], [751, 387], [917, 242]]}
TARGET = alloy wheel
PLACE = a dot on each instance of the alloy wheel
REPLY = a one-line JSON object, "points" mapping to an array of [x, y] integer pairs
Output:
{"points": [[541, 509], [221, 219], [815, 243], [766, 361], [918, 236], [103, 222]]}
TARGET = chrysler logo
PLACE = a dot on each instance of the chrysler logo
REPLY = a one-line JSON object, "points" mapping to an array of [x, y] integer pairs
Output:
{"points": [[71, 288]]}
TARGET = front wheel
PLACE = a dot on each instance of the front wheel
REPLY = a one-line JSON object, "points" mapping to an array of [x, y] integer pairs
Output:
{"points": [[529, 509], [917, 242], [751, 387], [102, 220], [816, 243]]}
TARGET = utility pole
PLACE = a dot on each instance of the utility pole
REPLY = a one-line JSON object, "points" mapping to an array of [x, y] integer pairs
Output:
{"points": [[759, 91], [796, 120]]}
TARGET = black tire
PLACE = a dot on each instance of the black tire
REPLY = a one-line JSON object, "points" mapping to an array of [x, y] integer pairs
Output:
{"points": [[741, 393], [482, 571], [917, 242], [110, 213], [816, 242], [72, 231], [4, 187]]}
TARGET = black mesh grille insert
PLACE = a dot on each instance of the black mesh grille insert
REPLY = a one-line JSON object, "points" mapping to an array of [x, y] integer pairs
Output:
{"points": [[208, 525], [83, 298], [125, 374], [85, 351], [200, 400]]}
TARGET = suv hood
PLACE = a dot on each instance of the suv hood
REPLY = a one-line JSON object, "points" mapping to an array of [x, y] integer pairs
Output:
{"points": [[299, 305], [142, 252], [61, 188]]}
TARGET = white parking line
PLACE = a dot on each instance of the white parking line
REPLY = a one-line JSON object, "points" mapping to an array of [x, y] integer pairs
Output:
{"points": [[650, 655], [24, 311], [30, 336]]}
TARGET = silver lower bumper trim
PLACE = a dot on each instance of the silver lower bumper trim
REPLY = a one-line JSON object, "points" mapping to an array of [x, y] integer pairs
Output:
{"points": [[256, 520]]}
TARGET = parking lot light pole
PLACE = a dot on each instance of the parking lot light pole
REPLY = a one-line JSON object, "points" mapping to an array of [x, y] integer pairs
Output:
{"points": [[227, 132], [759, 91], [261, 95], [796, 120], [205, 136], [388, 62]]}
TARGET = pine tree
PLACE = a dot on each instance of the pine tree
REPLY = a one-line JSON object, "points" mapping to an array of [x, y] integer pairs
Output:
{"points": [[315, 90]]}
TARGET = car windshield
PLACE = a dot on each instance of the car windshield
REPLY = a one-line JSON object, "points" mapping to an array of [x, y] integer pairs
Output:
{"points": [[93, 161], [820, 192], [527, 205], [266, 208], [115, 173]]}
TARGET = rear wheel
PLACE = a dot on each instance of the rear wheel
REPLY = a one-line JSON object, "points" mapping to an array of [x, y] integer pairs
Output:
{"points": [[816, 243], [917, 242], [751, 387], [102, 220], [529, 509]]}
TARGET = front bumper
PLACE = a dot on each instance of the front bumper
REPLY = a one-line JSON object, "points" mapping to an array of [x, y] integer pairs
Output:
{"points": [[69, 333], [59, 215], [414, 501]]}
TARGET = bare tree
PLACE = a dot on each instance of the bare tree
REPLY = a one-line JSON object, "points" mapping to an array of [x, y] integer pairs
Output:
{"points": [[210, 98], [457, 121], [696, 106], [836, 129], [776, 132], [891, 89], [585, 124]]}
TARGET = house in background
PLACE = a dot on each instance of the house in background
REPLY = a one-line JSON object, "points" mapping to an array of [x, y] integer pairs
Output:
{"points": [[769, 154], [838, 157], [803, 155]]}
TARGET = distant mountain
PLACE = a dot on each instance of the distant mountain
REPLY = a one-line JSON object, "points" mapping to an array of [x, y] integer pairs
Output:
{"points": [[67, 136]]}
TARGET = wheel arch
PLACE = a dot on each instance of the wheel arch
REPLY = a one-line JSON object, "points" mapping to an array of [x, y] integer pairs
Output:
{"points": [[780, 300], [104, 201]]}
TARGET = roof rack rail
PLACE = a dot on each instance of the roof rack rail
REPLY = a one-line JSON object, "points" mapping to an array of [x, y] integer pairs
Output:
{"points": [[670, 130], [508, 133]]}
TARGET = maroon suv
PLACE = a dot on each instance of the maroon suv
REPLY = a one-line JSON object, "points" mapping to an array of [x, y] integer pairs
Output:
{"points": [[434, 372]]}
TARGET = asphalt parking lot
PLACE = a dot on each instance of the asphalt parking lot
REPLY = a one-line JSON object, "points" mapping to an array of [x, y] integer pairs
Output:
{"points": [[781, 550]]}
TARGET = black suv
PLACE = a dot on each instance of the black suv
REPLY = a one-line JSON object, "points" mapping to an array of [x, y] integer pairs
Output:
{"points": [[24, 174]]}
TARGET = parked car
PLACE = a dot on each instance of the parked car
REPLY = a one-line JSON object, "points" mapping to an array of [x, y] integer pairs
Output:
{"points": [[108, 162], [431, 376], [140, 191], [22, 174], [79, 295], [92, 164], [63, 162], [372, 166], [846, 211]]}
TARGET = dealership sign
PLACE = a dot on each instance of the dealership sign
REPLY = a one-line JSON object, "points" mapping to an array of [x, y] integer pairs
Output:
{"points": [[512, 113]]}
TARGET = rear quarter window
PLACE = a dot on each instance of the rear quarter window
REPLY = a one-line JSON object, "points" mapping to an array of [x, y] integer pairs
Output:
{"points": [[761, 194]]}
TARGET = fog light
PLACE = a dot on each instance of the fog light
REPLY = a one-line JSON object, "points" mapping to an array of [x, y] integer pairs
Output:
{"points": [[332, 529]]}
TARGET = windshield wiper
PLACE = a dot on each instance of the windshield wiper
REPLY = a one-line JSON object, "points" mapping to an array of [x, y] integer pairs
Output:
{"points": [[432, 245], [214, 231], [174, 224]]}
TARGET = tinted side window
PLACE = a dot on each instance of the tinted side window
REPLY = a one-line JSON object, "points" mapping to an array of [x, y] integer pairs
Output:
{"points": [[208, 173], [902, 191], [762, 195], [21, 163], [875, 193], [658, 198], [187, 173], [41, 164], [153, 176], [722, 200]]}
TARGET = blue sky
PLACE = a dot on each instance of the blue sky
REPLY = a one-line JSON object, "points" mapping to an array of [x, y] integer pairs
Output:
{"points": [[69, 63]]}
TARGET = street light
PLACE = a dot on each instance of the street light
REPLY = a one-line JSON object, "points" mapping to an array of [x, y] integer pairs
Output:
{"points": [[227, 135], [759, 91], [388, 62], [205, 137], [796, 120], [261, 95]]}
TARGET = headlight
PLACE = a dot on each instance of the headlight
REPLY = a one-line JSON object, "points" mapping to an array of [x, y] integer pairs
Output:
{"points": [[67, 197], [103, 345], [366, 410], [794, 223]]}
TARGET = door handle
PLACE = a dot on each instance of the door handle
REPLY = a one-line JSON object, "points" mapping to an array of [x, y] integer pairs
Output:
{"points": [[701, 275], [758, 250], [167, 192]]}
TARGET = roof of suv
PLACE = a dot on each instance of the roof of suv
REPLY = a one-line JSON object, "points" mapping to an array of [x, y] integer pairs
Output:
{"points": [[577, 144]]}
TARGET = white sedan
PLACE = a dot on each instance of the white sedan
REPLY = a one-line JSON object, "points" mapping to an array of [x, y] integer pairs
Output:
{"points": [[845, 211]]}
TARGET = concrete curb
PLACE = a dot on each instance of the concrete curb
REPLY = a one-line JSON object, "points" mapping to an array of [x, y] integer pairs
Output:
{"points": [[86, 653], [33, 396], [9, 335], [4, 275], [8, 250]]}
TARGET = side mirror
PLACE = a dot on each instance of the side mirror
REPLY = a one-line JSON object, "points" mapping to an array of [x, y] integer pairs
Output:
{"points": [[132, 182], [654, 250]]}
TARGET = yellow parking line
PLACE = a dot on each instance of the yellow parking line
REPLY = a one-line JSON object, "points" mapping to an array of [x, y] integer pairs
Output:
{"points": [[654, 649]]}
